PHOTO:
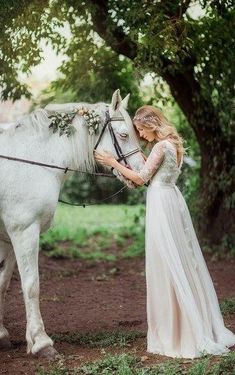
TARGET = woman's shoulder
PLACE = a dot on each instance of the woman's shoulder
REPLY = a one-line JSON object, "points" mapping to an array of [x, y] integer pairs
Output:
{"points": [[161, 145], [165, 143], [164, 146]]}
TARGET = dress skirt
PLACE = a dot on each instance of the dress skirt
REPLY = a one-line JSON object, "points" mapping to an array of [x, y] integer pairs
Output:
{"points": [[183, 313]]}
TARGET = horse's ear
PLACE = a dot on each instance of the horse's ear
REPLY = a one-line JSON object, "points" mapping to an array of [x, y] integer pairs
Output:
{"points": [[125, 101], [116, 100]]}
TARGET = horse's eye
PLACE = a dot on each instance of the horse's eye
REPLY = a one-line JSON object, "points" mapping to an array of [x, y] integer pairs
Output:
{"points": [[123, 135]]}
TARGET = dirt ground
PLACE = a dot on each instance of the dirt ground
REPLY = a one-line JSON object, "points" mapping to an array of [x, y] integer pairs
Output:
{"points": [[81, 296]]}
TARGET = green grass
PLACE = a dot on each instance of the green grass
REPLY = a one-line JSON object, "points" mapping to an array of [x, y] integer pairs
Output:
{"points": [[99, 339], [110, 217], [127, 364], [98, 228], [112, 364], [89, 233], [227, 306]]}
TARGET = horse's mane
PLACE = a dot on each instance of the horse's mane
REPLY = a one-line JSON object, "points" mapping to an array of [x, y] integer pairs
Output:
{"points": [[81, 143], [39, 118]]}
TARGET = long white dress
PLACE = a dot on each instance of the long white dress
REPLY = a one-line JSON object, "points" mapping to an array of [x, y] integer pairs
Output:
{"points": [[183, 313]]}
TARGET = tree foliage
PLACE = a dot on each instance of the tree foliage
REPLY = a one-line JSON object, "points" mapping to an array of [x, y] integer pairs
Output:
{"points": [[123, 40], [159, 36]]}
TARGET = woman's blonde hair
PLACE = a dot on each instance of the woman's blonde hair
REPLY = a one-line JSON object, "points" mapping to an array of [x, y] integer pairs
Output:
{"points": [[152, 118]]}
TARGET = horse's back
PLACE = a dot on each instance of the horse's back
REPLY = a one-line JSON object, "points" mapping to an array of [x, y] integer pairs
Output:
{"points": [[68, 107]]}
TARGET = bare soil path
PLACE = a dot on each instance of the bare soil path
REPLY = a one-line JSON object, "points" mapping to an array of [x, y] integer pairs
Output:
{"points": [[82, 297]]}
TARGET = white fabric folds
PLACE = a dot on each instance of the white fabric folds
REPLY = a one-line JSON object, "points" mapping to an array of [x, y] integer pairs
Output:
{"points": [[183, 313]]}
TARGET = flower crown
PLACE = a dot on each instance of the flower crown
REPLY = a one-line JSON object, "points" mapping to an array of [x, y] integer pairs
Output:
{"points": [[62, 122], [145, 118], [92, 119]]}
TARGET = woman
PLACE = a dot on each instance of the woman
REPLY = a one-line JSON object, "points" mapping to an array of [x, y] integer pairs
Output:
{"points": [[183, 314]]}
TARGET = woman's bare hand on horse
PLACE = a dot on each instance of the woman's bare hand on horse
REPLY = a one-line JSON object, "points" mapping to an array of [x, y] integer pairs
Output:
{"points": [[105, 158]]}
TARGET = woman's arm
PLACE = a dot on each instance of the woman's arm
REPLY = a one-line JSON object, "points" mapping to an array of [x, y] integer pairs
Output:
{"points": [[128, 173], [141, 177], [106, 158]]}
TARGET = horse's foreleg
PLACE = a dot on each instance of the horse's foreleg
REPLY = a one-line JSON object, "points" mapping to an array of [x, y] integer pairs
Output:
{"points": [[7, 263], [26, 247]]}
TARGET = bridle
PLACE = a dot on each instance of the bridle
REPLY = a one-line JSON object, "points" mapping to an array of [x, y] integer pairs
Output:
{"points": [[121, 156], [108, 124]]}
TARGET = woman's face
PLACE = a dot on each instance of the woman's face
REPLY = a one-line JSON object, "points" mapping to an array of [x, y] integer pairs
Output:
{"points": [[148, 135]]}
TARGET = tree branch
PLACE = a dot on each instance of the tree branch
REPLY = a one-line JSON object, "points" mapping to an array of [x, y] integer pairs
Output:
{"points": [[184, 88], [122, 44], [111, 33], [174, 10]]}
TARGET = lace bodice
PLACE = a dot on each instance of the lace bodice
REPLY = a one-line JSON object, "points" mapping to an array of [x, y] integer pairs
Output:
{"points": [[161, 164]]}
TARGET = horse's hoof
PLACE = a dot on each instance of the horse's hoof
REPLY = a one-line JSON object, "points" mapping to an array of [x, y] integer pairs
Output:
{"points": [[47, 352], [5, 343]]}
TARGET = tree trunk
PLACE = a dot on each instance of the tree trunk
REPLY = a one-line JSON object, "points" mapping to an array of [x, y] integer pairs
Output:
{"points": [[217, 151], [217, 182], [217, 223]]}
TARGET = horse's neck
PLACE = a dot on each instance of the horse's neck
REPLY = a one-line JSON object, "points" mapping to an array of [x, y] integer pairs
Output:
{"points": [[59, 151], [37, 145], [73, 152], [31, 138]]}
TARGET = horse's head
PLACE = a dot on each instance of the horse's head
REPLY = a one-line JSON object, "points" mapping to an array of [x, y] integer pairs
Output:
{"points": [[119, 136]]}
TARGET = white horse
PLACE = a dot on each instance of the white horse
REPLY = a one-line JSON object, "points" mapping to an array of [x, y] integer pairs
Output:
{"points": [[29, 195]]}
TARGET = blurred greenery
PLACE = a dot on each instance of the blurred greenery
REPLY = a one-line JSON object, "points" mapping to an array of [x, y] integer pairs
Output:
{"points": [[104, 232], [96, 232], [93, 80], [69, 220]]}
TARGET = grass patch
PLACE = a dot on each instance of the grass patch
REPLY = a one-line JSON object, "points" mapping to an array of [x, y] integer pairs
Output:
{"points": [[95, 233], [112, 364], [75, 253], [100, 339], [227, 307], [107, 217], [136, 234], [56, 235], [58, 369], [85, 245], [126, 364], [226, 366]]}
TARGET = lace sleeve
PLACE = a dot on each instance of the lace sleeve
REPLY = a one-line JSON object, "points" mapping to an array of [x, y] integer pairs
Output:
{"points": [[153, 162]]}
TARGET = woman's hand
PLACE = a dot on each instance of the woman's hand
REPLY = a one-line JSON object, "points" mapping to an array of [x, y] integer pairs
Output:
{"points": [[105, 158]]}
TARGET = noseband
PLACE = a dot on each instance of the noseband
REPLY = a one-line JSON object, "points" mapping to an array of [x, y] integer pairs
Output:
{"points": [[108, 124]]}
